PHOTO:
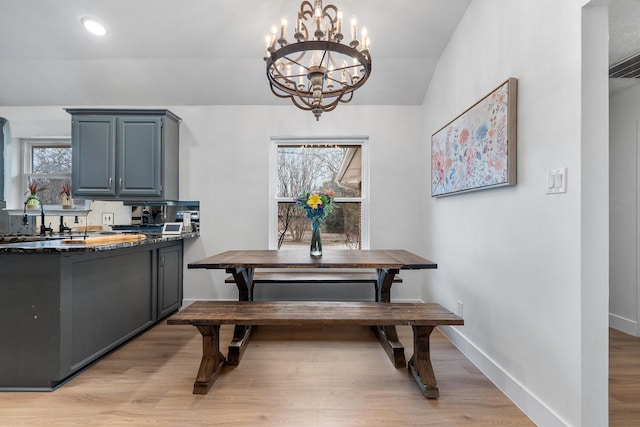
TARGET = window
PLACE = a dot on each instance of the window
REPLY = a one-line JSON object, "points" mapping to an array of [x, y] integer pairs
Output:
{"points": [[299, 165], [47, 162]]}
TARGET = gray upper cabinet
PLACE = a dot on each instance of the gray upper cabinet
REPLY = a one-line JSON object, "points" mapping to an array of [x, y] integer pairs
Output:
{"points": [[124, 154]]}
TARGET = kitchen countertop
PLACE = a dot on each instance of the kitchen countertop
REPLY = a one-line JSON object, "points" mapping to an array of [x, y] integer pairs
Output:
{"points": [[57, 245]]}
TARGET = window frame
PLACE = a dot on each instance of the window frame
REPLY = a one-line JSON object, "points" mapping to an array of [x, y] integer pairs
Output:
{"points": [[361, 141], [26, 173]]}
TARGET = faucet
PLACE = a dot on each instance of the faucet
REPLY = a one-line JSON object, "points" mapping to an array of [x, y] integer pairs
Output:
{"points": [[63, 227], [25, 219], [43, 228]]}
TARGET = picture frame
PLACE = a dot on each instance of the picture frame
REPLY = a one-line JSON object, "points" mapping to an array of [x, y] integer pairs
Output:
{"points": [[477, 149]]}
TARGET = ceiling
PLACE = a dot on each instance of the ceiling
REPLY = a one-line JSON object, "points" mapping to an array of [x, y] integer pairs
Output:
{"points": [[199, 52], [209, 52]]}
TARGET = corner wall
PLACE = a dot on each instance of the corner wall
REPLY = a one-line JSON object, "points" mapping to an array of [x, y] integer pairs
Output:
{"points": [[515, 256]]}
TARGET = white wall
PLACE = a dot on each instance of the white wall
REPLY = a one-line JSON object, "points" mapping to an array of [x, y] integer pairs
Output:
{"points": [[624, 121], [514, 256]]}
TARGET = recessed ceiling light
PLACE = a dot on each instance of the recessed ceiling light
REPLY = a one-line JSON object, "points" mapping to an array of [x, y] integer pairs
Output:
{"points": [[93, 26]]}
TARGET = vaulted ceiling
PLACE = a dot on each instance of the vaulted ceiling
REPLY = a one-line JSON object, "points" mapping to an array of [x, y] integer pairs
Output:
{"points": [[209, 52], [198, 52]]}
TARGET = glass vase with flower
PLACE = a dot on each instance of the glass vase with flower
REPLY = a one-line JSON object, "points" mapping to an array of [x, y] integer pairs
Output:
{"points": [[317, 206]]}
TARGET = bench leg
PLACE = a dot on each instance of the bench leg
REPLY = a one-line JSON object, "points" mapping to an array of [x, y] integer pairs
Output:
{"points": [[212, 362], [420, 363], [388, 337]]}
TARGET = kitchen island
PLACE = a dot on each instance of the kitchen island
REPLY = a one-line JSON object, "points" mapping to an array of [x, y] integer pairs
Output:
{"points": [[62, 306]]}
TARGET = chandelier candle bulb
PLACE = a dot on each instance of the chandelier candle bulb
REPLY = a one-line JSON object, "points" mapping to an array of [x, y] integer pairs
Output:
{"points": [[283, 28], [363, 34], [267, 46], [340, 15], [318, 14], [354, 29]]}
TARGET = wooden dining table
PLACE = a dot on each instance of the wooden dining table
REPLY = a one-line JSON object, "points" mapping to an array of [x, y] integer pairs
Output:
{"points": [[387, 263]]}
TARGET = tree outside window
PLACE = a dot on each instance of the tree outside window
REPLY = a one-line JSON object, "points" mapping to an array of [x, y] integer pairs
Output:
{"points": [[316, 167], [47, 163]]}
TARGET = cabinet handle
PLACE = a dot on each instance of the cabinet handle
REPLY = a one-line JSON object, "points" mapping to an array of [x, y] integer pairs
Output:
{"points": [[120, 182], [110, 182], [162, 261]]}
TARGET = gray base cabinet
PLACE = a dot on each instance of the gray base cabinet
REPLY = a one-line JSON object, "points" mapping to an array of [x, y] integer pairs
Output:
{"points": [[169, 279], [61, 311], [124, 154]]}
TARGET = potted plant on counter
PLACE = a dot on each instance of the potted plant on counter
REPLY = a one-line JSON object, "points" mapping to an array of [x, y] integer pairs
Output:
{"points": [[67, 201], [32, 199]]}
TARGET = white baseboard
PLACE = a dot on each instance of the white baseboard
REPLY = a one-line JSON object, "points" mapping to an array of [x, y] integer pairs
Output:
{"points": [[628, 326], [530, 404]]}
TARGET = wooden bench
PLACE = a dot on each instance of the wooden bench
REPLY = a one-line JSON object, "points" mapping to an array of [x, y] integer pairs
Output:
{"points": [[207, 316]]}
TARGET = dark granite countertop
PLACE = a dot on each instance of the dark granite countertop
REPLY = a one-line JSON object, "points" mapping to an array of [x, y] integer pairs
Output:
{"points": [[56, 245]]}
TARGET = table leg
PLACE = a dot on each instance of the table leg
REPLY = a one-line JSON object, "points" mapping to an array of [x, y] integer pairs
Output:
{"points": [[241, 334], [212, 362], [387, 335], [420, 363]]}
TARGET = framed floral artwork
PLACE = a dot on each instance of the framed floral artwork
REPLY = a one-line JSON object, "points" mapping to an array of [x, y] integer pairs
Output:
{"points": [[477, 149]]}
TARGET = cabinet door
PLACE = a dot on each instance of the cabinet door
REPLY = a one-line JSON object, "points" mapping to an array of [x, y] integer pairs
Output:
{"points": [[111, 300], [93, 148], [139, 156], [169, 279]]}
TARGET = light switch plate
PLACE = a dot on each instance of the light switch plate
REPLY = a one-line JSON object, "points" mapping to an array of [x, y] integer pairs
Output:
{"points": [[556, 181]]}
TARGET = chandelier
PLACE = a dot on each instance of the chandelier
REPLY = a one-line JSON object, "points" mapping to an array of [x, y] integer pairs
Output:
{"points": [[317, 71]]}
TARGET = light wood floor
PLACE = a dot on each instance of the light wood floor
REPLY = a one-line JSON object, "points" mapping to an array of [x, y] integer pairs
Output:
{"points": [[302, 377], [624, 379], [288, 377]]}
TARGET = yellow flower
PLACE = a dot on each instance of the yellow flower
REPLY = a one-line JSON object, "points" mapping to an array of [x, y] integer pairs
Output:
{"points": [[314, 201]]}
